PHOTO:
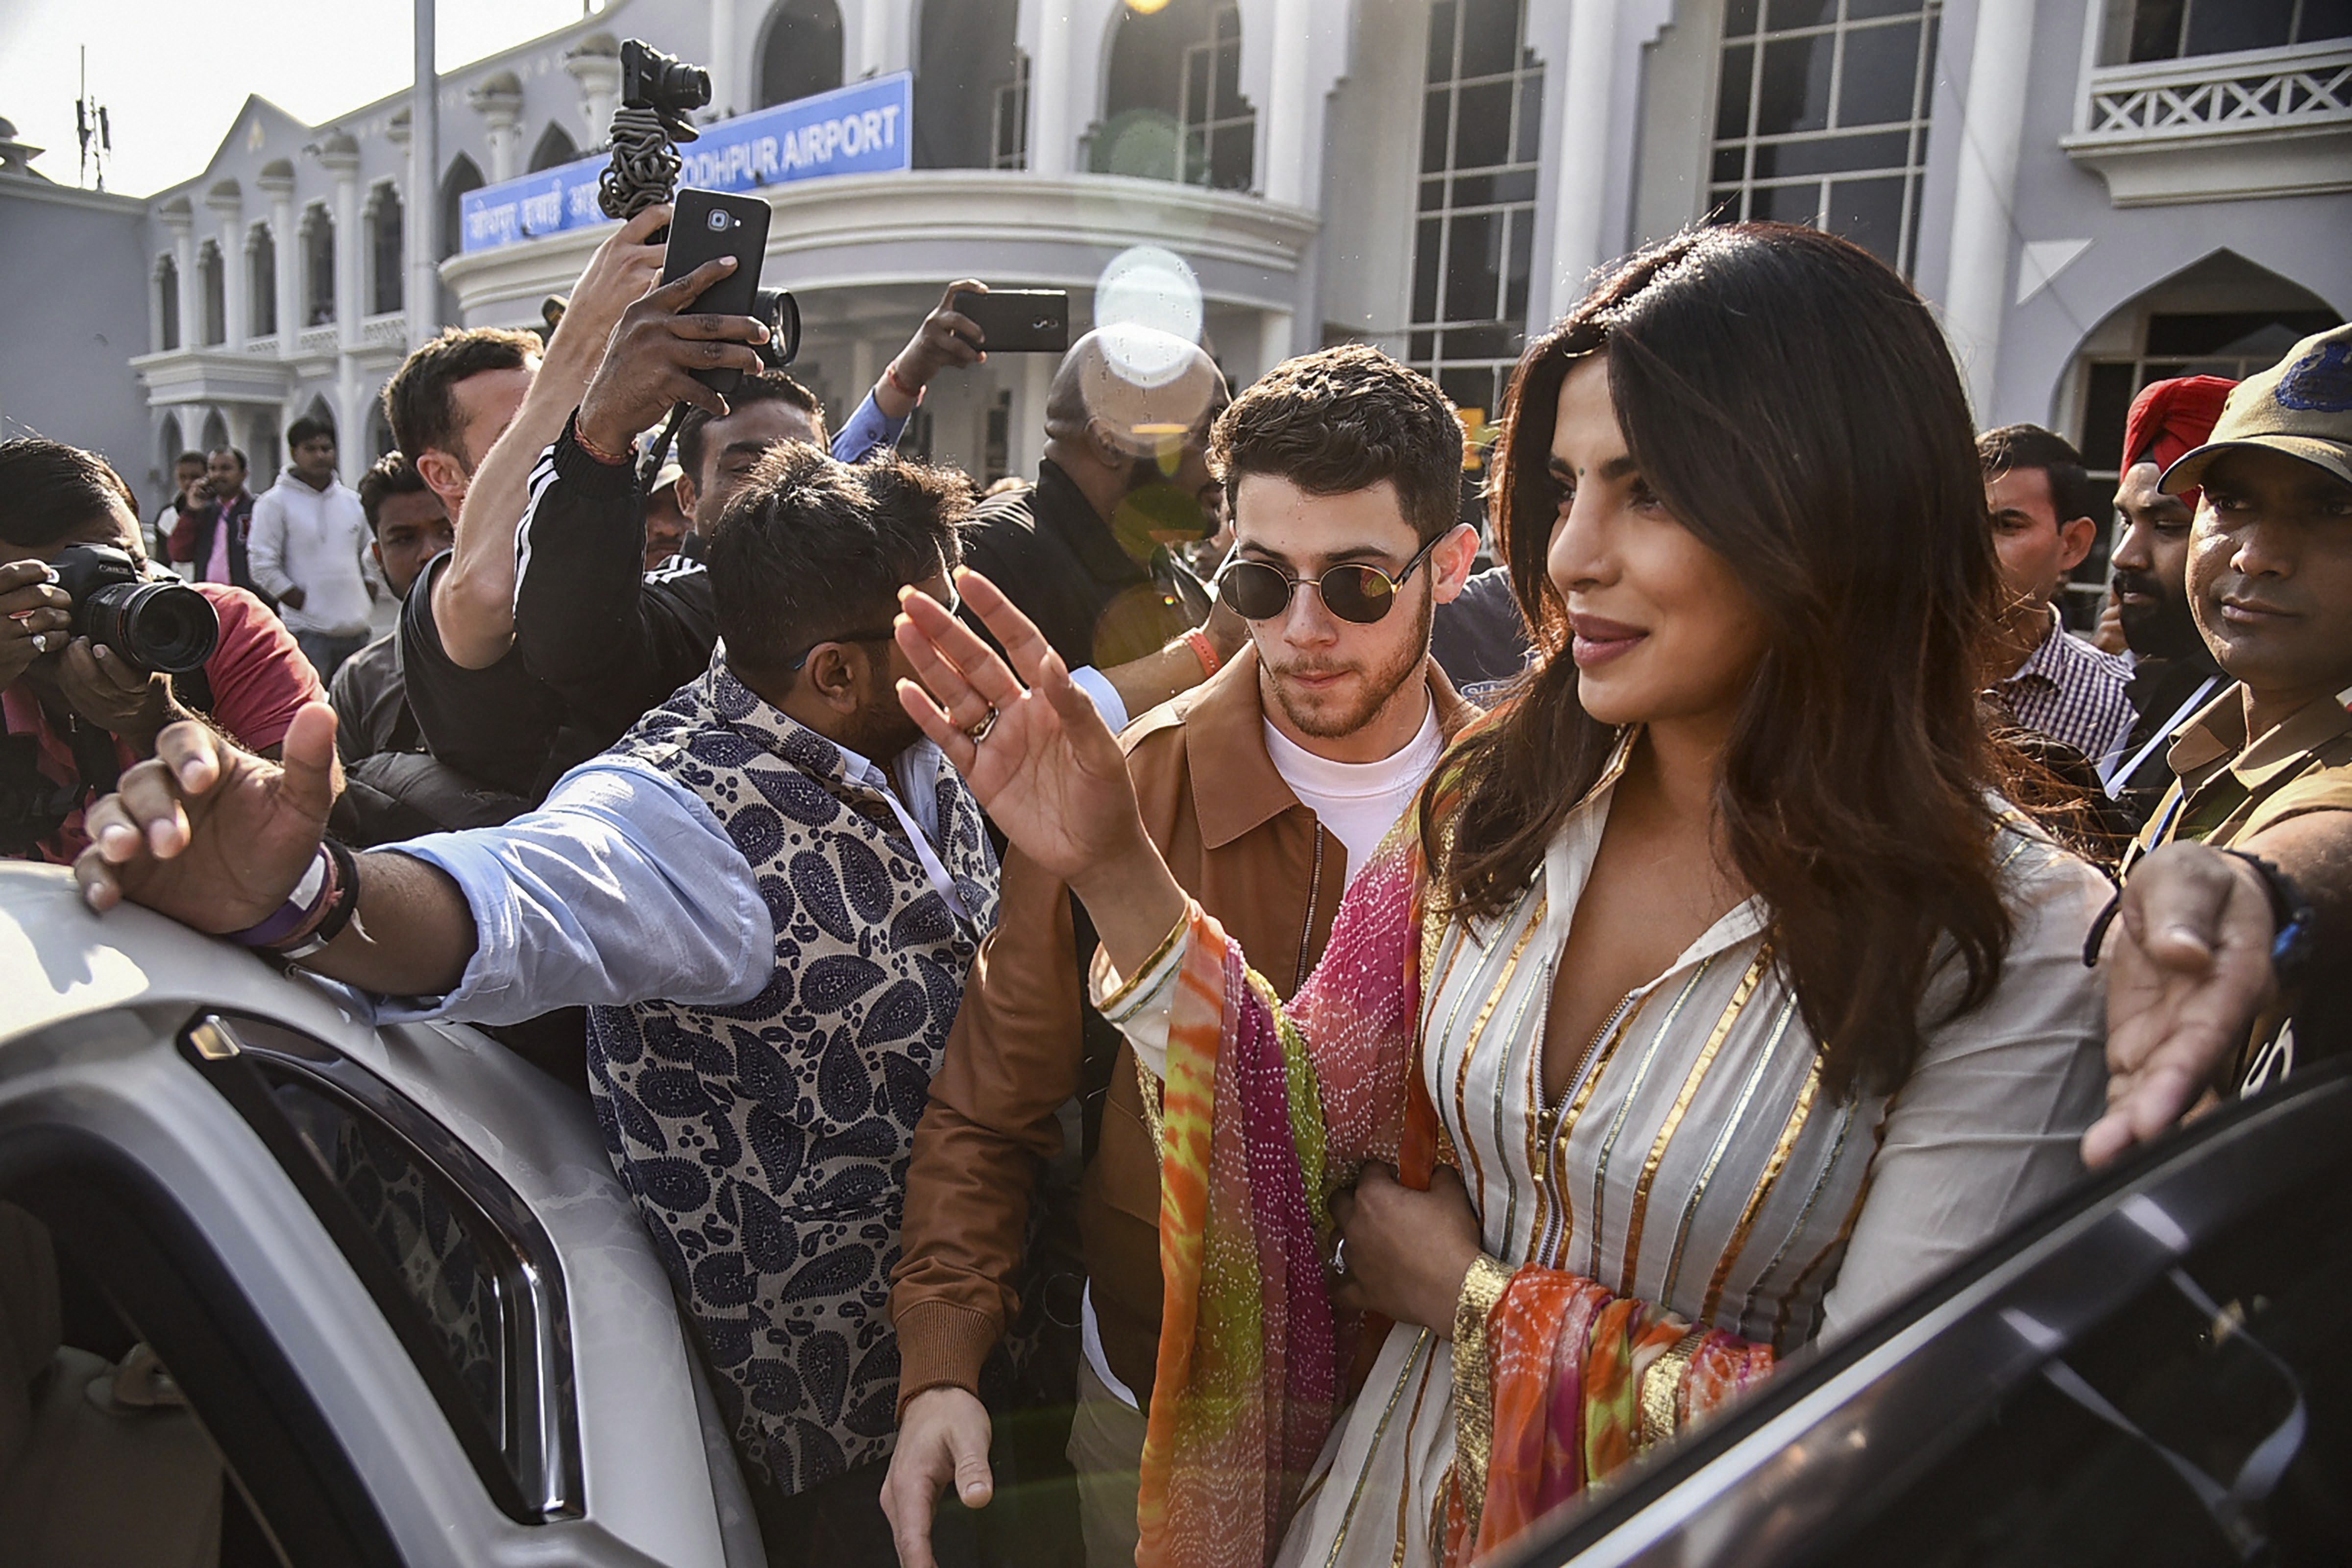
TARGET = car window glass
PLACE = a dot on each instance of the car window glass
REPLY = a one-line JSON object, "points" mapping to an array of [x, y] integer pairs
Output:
{"points": [[430, 1243], [2209, 1421]]}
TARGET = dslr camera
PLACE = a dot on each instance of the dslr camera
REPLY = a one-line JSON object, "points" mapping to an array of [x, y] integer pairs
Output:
{"points": [[151, 625]]}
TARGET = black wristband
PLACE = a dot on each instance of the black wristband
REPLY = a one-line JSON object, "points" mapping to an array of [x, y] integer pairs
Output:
{"points": [[2291, 920], [340, 909]]}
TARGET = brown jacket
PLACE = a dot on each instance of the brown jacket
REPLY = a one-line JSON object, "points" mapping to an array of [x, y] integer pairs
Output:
{"points": [[1257, 860]]}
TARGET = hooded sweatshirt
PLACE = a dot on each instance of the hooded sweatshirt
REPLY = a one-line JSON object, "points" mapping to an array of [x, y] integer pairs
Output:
{"points": [[315, 540]]}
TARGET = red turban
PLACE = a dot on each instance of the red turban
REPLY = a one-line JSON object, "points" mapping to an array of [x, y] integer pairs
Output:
{"points": [[2171, 418]]}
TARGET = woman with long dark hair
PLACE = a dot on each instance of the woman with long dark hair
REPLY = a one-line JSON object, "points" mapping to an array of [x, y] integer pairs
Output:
{"points": [[1718, 998]]}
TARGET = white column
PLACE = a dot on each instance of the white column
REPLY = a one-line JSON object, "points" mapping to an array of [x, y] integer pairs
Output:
{"points": [[340, 156], [1028, 432], [286, 258], [873, 39], [1273, 339], [180, 221], [599, 75], [1051, 143], [1992, 131], [499, 103], [1579, 241], [227, 206], [421, 299], [1292, 122], [726, 71], [862, 374], [352, 455]]}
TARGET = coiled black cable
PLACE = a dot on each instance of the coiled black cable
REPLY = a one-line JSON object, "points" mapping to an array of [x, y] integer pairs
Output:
{"points": [[646, 164], [643, 173]]}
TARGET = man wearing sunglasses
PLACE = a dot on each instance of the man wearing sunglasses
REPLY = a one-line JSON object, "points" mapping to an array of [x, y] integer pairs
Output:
{"points": [[1266, 787]]}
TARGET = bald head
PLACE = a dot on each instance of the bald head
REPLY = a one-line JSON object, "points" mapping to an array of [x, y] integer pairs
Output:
{"points": [[1132, 388], [1129, 409]]}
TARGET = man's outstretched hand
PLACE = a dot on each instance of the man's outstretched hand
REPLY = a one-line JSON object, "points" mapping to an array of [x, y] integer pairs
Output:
{"points": [[942, 1436], [2189, 968], [212, 836]]}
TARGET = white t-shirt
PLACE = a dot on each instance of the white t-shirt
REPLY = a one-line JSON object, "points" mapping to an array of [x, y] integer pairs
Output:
{"points": [[1358, 801]]}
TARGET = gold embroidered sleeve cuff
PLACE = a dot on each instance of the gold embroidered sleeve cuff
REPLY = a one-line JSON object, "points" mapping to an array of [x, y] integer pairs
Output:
{"points": [[1474, 1383], [1138, 1005], [1662, 1408]]}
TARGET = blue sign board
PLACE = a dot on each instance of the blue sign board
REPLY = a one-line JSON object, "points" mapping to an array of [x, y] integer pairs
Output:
{"points": [[862, 128]]}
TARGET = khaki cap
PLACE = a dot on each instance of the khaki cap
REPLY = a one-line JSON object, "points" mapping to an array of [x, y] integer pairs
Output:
{"points": [[2301, 406]]}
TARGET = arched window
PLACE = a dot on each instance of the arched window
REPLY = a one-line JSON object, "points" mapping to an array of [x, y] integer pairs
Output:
{"points": [[1174, 108], [556, 148], [213, 288], [2224, 316], [379, 429], [966, 69], [261, 280], [317, 267], [168, 442], [216, 431], [799, 53], [167, 319], [464, 175], [387, 250]]}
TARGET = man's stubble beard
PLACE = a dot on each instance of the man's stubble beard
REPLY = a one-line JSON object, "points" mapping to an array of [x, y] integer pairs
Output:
{"points": [[1379, 686]]}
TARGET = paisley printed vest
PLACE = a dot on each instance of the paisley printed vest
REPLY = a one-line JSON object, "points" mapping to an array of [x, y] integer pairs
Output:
{"points": [[766, 1145]]}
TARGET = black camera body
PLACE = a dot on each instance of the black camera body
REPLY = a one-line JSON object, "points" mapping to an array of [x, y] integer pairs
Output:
{"points": [[151, 625], [662, 83]]}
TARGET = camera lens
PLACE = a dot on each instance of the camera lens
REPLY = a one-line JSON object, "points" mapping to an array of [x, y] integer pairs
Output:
{"points": [[166, 626], [720, 219]]}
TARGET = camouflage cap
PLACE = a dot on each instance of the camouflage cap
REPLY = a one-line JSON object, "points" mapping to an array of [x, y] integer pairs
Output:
{"points": [[2301, 406]]}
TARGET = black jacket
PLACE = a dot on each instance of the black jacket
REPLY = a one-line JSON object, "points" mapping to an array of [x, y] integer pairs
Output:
{"points": [[1068, 570], [612, 639]]}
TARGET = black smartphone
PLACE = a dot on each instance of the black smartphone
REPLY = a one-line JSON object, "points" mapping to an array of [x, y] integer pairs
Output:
{"points": [[1019, 320], [705, 225]]}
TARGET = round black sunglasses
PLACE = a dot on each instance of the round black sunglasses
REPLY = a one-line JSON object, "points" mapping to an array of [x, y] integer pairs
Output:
{"points": [[1256, 591]]}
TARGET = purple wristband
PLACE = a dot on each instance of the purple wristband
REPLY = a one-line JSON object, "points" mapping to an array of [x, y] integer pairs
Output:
{"points": [[316, 885]]}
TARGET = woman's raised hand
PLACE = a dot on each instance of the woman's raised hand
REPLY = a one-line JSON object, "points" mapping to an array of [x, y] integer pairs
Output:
{"points": [[1045, 768]]}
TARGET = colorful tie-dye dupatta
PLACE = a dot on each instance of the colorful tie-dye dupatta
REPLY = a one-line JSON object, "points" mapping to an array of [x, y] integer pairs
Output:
{"points": [[1266, 1110]]}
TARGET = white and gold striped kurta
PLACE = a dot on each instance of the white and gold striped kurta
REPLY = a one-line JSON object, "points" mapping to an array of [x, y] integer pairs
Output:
{"points": [[1694, 1159]]}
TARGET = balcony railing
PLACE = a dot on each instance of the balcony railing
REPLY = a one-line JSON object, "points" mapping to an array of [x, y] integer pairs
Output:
{"points": [[324, 340], [2215, 127], [262, 345], [388, 330]]}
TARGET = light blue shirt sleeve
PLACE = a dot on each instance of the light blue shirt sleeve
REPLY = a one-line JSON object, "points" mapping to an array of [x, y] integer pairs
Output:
{"points": [[1107, 701], [623, 887], [869, 430]]}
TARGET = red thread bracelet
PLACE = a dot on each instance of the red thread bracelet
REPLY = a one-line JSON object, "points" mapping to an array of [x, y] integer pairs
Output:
{"points": [[890, 374], [580, 439], [1206, 651]]}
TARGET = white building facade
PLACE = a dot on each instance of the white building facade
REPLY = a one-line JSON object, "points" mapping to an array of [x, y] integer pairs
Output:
{"points": [[2093, 192]]}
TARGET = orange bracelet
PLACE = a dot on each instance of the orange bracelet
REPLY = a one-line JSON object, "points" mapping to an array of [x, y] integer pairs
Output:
{"points": [[580, 439], [1206, 651]]}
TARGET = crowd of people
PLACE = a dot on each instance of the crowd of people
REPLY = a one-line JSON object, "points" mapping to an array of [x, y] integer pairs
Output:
{"points": [[1127, 1063]]}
